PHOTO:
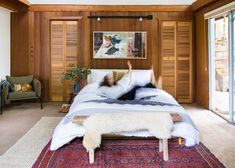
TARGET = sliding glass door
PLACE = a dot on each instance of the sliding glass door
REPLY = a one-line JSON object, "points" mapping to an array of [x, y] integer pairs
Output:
{"points": [[222, 60], [232, 53]]}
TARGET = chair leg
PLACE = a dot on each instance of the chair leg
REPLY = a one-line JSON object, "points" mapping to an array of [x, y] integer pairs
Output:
{"points": [[41, 103], [2, 104]]}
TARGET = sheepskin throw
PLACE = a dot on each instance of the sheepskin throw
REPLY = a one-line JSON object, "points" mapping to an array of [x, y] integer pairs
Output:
{"points": [[159, 124]]}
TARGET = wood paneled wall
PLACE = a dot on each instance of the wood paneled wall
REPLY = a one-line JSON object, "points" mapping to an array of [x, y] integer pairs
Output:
{"points": [[20, 44], [125, 25], [31, 40], [202, 72]]}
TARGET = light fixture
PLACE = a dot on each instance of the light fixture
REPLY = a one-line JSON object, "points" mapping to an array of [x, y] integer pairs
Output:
{"points": [[140, 18]]}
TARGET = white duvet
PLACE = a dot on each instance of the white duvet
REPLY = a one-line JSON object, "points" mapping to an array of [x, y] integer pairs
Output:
{"points": [[90, 101]]}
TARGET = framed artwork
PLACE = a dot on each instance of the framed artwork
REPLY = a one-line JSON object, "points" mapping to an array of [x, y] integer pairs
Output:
{"points": [[119, 45]]}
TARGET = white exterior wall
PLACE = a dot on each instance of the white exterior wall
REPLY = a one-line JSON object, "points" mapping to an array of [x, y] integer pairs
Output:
{"points": [[4, 42]]}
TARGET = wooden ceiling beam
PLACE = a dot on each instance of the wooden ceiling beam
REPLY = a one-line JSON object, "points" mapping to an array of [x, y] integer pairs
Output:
{"points": [[201, 3], [116, 8], [25, 2], [15, 5]]}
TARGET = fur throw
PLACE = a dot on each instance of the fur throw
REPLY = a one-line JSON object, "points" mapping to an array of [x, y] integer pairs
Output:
{"points": [[159, 124]]}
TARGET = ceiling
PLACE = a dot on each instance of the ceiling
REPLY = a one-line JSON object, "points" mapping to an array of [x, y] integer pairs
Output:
{"points": [[115, 2]]}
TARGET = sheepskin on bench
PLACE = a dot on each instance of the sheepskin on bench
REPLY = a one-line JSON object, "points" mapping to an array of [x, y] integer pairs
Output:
{"points": [[159, 124]]}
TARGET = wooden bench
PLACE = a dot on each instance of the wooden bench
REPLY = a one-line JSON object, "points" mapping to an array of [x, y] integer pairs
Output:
{"points": [[163, 143]]}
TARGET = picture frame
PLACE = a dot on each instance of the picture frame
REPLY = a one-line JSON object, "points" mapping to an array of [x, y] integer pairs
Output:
{"points": [[119, 45]]}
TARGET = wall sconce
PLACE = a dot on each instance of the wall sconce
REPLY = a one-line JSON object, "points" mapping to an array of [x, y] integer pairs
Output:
{"points": [[98, 19], [140, 19]]}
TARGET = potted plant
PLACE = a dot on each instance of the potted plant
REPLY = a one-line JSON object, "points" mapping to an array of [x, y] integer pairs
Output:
{"points": [[76, 74]]}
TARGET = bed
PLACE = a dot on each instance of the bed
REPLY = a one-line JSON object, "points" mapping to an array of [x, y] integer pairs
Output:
{"points": [[90, 101]]}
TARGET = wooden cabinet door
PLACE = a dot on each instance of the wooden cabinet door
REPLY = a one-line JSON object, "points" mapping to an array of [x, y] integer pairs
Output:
{"points": [[168, 56], [64, 55], [57, 60], [184, 62]]}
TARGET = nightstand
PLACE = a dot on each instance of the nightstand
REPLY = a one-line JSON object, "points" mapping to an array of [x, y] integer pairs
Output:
{"points": [[72, 95]]}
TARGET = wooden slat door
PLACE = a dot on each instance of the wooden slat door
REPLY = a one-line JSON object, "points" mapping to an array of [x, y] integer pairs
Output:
{"points": [[184, 62], [168, 56], [71, 54], [57, 60], [64, 55]]}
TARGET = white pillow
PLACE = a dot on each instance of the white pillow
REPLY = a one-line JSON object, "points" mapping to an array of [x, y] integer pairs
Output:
{"points": [[98, 75], [141, 78]]}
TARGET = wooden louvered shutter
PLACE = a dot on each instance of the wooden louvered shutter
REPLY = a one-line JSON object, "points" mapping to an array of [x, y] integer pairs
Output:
{"points": [[71, 55], [184, 62], [57, 60], [64, 55], [168, 56]]}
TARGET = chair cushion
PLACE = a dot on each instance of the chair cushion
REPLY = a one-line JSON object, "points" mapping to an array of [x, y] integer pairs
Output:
{"points": [[19, 80], [21, 95]]}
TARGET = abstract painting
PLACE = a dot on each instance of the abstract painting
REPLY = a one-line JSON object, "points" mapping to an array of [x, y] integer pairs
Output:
{"points": [[120, 45]]}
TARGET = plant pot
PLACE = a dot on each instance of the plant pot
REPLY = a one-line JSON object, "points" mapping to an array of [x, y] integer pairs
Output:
{"points": [[75, 87]]}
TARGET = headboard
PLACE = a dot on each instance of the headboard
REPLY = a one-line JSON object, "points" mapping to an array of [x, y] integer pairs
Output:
{"points": [[97, 75]]}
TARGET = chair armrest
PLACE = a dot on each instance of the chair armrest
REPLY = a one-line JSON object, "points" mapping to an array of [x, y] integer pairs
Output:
{"points": [[5, 90], [37, 87]]}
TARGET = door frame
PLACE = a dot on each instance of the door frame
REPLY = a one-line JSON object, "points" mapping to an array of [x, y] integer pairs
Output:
{"points": [[79, 19], [211, 47]]}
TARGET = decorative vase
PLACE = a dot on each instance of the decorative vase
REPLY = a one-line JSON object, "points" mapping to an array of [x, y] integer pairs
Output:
{"points": [[75, 87]]}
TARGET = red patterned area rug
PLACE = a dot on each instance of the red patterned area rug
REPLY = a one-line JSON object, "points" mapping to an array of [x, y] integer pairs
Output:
{"points": [[128, 154]]}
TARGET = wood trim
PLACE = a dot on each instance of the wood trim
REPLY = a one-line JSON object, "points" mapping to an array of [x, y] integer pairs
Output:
{"points": [[201, 3], [86, 35], [201, 53], [219, 12], [67, 18], [13, 5], [25, 2], [97, 8]]}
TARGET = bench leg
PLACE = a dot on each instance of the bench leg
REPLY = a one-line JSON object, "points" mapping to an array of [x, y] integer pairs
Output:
{"points": [[165, 150], [91, 156], [160, 145]]}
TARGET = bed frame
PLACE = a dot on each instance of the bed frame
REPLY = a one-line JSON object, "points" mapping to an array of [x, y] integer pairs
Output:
{"points": [[163, 143]]}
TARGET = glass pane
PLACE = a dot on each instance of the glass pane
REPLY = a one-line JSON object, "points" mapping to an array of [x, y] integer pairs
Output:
{"points": [[221, 67], [233, 58]]}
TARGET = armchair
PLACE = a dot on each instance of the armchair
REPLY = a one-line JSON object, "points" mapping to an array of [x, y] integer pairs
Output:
{"points": [[12, 95]]}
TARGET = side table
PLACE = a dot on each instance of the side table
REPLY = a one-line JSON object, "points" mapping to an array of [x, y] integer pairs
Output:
{"points": [[72, 95]]}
